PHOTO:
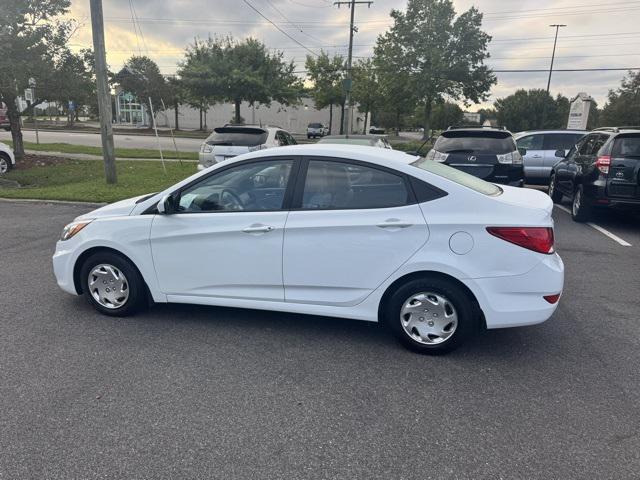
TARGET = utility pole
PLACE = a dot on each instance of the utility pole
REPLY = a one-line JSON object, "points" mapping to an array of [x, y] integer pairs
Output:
{"points": [[348, 83], [553, 56], [104, 94]]}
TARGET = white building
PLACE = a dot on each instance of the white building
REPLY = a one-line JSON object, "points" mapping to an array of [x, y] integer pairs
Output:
{"points": [[291, 118]]}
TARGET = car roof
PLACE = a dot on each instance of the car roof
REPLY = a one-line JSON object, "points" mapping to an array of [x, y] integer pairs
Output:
{"points": [[559, 130], [360, 137], [381, 156]]}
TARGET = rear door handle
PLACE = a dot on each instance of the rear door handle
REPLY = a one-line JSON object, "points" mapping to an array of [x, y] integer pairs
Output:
{"points": [[258, 229], [394, 223], [536, 156]]}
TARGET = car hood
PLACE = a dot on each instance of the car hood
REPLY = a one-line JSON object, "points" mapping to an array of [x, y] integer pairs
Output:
{"points": [[117, 209]]}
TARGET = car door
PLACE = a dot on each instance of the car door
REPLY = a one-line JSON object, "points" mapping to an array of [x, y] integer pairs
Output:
{"points": [[552, 143], [567, 169], [225, 240], [351, 226], [533, 160]]}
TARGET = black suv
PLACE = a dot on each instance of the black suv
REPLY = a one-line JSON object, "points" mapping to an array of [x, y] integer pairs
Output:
{"points": [[601, 170], [487, 153]]}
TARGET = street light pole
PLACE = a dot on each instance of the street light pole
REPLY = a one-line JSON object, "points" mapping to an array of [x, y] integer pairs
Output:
{"points": [[104, 95], [553, 56]]}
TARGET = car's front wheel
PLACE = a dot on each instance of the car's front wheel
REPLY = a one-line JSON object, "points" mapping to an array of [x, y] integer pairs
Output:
{"points": [[113, 285], [5, 163], [554, 193], [580, 209], [431, 315]]}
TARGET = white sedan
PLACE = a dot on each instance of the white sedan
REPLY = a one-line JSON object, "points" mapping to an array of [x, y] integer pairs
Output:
{"points": [[335, 230]]}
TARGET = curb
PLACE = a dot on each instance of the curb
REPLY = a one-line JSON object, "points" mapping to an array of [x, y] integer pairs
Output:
{"points": [[55, 202], [88, 156]]}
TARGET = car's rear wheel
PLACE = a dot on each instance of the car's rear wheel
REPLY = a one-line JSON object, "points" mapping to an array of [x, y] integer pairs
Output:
{"points": [[580, 209], [113, 285], [5, 163], [431, 315], [554, 193]]}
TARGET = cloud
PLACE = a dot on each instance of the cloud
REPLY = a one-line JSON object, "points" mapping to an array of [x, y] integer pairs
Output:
{"points": [[522, 38]]}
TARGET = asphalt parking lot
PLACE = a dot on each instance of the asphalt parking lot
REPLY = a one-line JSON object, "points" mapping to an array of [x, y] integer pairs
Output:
{"points": [[195, 392]]}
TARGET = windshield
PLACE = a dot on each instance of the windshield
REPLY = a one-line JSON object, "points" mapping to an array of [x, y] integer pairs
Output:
{"points": [[626, 146], [475, 143], [461, 178], [315, 125], [237, 136]]}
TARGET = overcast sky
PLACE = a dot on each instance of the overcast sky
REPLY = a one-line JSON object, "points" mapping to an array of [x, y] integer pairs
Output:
{"points": [[598, 35]]}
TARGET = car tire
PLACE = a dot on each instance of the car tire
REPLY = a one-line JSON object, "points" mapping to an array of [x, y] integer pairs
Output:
{"points": [[554, 193], [113, 285], [580, 208], [5, 163], [448, 318]]}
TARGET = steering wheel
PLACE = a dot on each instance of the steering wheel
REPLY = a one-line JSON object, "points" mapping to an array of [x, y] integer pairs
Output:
{"points": [[230, 200]]}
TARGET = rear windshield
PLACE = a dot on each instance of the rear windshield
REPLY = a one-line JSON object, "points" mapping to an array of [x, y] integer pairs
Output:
{"points": [[315, 125], [626, 146], [475, 142], [461, 178], [237, 136]]}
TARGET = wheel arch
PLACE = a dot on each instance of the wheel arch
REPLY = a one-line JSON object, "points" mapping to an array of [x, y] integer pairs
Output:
{"points": [[77, 267], [421, 274]]}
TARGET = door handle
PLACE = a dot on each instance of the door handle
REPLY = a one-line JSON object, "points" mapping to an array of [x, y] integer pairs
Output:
{"points": [[394, 223], [536, 156], [258, 229]]}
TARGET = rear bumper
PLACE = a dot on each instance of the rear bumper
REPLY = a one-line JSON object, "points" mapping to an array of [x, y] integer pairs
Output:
{"points": [[515, 301], [599, 194]]}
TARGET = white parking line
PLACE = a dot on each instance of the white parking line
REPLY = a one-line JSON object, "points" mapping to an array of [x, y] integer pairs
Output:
{"points": [[603, 231]]}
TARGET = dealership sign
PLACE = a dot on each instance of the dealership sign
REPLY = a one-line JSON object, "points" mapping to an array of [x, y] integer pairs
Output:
{"points": [[579, 112]]}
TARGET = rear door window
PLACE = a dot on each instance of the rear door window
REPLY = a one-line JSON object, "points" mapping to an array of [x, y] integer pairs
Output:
{"points": [[331, 185], [560, 141], [475, 142], [237, 136], [457, 176], [530, 142]]}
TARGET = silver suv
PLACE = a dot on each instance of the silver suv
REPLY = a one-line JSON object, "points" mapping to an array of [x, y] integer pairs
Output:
{"points": [[541, 146], [232, 140]]}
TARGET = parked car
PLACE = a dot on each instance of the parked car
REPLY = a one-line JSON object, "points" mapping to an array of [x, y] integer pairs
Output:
{"points": [[376, 130], [487, 153], [334, 230], [601, 170], [7, 158], [4, 118], [366, 140], [541, 147], [315, 130], [232, 140]]}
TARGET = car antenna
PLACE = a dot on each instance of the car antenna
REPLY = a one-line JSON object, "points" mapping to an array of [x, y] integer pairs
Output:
{"points": [[421, 146]]}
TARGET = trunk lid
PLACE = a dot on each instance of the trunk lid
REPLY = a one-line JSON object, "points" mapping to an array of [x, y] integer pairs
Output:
{"points": [[479, 165], [526, 198]]}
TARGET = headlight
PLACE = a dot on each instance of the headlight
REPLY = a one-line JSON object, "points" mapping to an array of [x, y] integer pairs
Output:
{"points": [[73, 228], [206, 148]]}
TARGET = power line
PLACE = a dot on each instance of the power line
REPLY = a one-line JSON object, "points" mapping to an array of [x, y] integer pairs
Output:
{"points": [[299, 28], [279, 29]]}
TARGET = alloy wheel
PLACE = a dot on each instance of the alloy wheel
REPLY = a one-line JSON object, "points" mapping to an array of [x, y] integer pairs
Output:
{"points": [[429, 318], [577, 200], [4, 165]]}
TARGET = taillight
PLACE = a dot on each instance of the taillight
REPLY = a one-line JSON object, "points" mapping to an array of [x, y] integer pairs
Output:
{"points": [[603, 162], [552, 299], [538, 239]]}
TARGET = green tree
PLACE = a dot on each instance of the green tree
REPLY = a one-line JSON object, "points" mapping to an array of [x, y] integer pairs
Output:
{"points": [[31, 35], [366, 88], [446, 114], [326, 73], [524, 110], [141, 77], [175, 96], [442, 54], [623, 104], [73, 81], [396, 100]]}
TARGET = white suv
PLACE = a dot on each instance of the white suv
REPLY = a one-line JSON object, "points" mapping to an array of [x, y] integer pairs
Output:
{"points": [[232, 140], [7, 159]]}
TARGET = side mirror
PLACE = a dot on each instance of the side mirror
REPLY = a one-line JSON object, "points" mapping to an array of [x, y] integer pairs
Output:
{"points": [[522, 150], [167, 206], [560, 154]]}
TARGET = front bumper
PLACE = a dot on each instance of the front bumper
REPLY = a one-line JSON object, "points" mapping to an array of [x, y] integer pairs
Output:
{"points": [[63, 263], [515, 301]]}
